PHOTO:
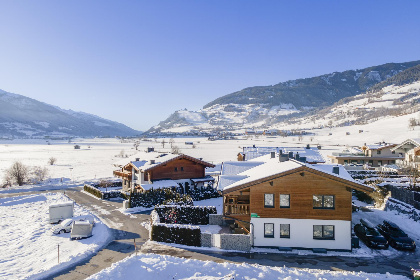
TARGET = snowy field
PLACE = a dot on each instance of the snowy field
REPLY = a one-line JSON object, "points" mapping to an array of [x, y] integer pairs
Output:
{"points": [[151, 266], [28, 249], [95, 159]]}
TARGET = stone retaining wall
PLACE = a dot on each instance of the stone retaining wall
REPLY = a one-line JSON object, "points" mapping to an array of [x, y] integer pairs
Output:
{"points": [[238, 242]]}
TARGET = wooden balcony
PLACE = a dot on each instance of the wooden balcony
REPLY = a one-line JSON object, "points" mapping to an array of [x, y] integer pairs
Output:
{"points": [[123, 175], [236, 209]]}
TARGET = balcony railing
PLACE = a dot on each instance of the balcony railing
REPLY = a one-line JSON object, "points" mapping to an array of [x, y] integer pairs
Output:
{"points": [[237, 209], [123, 175]]}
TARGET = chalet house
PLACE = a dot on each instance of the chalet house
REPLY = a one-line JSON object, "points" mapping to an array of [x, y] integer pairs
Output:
{"points": [[159, 170], [372, 155], [286, 203], [411, 149], [309, 154]]}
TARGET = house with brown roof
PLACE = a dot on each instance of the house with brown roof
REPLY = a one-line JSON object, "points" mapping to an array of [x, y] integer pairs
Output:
{"points": [[163, 170], [286, 203]]}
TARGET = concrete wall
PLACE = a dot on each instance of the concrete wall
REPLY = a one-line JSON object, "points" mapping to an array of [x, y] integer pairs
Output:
{"points": [[238, 242], [301, 234]]}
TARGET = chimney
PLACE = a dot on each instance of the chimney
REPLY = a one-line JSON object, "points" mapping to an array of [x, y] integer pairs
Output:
{"points": [[336, 170], [152, 161], [290, 154], [253, 146], [297, 156], [280, 151], [302, 159], [283, 158], [137, 159], [308, 147], [273, 154]]}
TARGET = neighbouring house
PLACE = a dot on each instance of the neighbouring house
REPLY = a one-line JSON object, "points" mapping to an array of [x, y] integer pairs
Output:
{"points": [[310, 154], [147, 170], [411, 149], [372, 155], [282, 202]]}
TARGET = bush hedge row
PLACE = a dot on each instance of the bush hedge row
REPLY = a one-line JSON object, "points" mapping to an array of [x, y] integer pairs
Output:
{"points": [[93, 190], [153, 197], [204, 193], [179, 234], [193, 215]]}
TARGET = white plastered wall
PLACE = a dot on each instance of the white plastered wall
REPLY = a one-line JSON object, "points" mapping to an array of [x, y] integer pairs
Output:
{"points": [[301, 234]]}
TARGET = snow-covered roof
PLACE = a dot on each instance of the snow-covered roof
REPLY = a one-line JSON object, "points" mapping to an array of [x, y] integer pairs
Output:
{"points": [[272, 166], [236, 167], [380, 146], [312, 154], [415, 142], [144, 161], [227, 180]]}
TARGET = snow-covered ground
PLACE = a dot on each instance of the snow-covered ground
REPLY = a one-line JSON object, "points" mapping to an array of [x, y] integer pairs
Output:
{"points": [[28, 249], [151, 266]]}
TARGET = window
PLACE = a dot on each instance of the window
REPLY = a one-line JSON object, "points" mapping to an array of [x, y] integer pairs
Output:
{"points": [[393, 152], [269, 230], [176, 169], [285, 201], [380, 162], [268, 200], [378, 152], [182, 168], [284, 230], [323, 201], [324, 232]]}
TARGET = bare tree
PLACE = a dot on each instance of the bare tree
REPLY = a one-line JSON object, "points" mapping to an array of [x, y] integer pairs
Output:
{"points": [[171, 141], [38, 174], [163, 143], [18, 173], [175, 150], [52, 160], [136, 145]]}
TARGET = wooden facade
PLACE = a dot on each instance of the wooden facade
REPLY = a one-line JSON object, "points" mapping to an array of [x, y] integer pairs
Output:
{"points": [[301, 184], [179, 168], [175, 168]]}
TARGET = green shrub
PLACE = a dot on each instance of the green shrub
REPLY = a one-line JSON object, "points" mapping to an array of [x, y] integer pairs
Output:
{"points": [[179, 234]]}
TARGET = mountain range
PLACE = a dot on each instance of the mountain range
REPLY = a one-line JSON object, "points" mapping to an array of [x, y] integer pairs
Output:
{"points": [[22, 116], [263, 107]]}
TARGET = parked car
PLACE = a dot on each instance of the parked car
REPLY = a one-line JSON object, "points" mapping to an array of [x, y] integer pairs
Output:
{"points": [[396, 237], [81, 229], [367, 232], [65, 226]]}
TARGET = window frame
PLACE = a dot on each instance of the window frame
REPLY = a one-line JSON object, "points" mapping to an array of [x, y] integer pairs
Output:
{"points": [[322, 232], [274, 201], [323, 201], [268, 235], [288, 201], [285, 236]]}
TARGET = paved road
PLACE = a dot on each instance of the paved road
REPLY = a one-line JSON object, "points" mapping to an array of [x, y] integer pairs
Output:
{"points": [[127, 227]]}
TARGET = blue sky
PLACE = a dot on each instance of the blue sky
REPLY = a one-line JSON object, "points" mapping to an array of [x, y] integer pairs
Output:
{"points": [[136, 62]]}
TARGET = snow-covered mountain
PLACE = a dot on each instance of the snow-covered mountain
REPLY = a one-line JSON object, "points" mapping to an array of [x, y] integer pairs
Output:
{"points": [[21, 116], [290, 102]]}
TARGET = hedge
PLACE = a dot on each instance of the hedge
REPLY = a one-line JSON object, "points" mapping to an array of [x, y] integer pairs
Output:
{"points": [[204, 193], [93, 190], [153, 197], [194, 215], [179, 234]]}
